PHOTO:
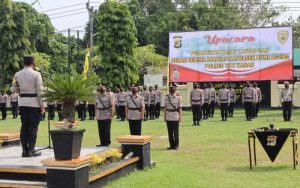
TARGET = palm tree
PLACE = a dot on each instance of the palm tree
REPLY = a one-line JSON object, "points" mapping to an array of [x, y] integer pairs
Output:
{"points": [[68, 89]]}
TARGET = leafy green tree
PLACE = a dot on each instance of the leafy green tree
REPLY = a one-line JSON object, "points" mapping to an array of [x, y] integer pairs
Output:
{"points": [[116, 41], [257, 13], [6, 26], [147, 57], [40, 27], [14, 41]]}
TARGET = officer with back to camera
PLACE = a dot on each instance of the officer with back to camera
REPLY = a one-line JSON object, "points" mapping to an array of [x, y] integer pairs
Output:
{"points": [[29, 84]]}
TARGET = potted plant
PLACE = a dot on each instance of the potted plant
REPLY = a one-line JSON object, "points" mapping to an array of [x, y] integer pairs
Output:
{"points": [[68, 89]]}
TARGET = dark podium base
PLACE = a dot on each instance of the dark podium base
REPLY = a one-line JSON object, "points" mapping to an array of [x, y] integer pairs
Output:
{"points": [[140, 150], [75, 178]]}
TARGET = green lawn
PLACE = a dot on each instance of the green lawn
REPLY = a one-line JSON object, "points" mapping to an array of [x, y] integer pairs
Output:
{"points": [[214, 154]]}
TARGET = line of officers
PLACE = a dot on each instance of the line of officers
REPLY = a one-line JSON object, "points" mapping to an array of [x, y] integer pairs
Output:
{"points": [[4, 99], [203, 101], [133, 107], [152, 100]]}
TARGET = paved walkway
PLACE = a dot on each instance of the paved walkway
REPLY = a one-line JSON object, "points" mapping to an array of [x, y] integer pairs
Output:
{"points": [[11, 156]]}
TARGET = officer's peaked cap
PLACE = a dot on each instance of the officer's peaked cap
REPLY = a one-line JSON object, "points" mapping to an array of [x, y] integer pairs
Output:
{"points": [[28, 59]]}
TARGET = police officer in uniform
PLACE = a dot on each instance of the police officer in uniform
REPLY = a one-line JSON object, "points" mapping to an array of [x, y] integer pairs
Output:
{"points": [[172, 116], [248, 98], [135, 107], [116, 103], [122, 102], [157, 101], [232, 94], [59, 108], [258, 99], [213, 96], [151, 103], [105, 111], [287, 101], [196, 101], [91, 109], [14, 104], [82, 110], [146, 96], [29, 85], [224, 101], [207, 99], [51, 112], [3, 102]]}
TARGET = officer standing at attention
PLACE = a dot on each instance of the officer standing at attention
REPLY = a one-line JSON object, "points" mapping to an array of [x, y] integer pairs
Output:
{"points": [[30, 85], [134, 110], [122, 102], [91, 109], [287, 101], [232, 94], [157, 101], [152, 102], [146, 96], [116, 103], [14, 104], [173, 111], [213, 96], [196, 101], [3, 102], [59, 109], [105, 111], [258, 99], [51, 112], [224, 101], [206, 95], [248, 98], [82, 110]]}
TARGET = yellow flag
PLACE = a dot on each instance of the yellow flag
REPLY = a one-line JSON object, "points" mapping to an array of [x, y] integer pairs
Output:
{"points": [[86, 65]]}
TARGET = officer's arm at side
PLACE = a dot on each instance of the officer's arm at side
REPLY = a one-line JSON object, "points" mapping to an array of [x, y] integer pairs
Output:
{"points": [[180, 108], [39, 86], [15, 87]]}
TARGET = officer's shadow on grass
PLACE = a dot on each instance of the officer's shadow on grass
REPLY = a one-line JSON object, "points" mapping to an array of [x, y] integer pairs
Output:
{"points": [[258, 169]]}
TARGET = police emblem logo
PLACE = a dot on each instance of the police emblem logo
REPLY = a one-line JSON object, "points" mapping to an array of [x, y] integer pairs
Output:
{"points": [[177, 41], [271, 140], [283, 36]]}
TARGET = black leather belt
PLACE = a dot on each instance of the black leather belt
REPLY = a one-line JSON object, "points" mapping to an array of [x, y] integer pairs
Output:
{"points": [[104, 108], [133, 108], [28, 95], [196, 100], [173, 110]]}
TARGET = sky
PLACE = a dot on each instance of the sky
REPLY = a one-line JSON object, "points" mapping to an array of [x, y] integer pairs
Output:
{"points": [[58, 17], [62, 18]]}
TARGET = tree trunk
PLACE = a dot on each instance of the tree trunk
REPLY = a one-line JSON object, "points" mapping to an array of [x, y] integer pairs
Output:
{"points": [[69, 111]]}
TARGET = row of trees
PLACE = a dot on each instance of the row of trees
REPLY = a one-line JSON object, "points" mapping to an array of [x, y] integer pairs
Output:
{"points": [[131, 34]]}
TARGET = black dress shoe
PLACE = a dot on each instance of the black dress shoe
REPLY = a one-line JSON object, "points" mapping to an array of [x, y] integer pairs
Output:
{"points": [[169, 148], [24, 154], [33, 154], [99, 145]]}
